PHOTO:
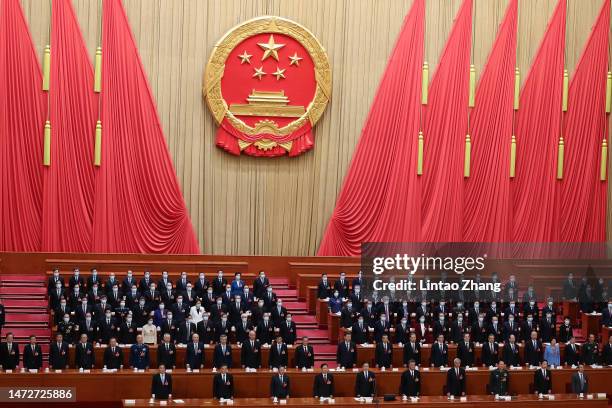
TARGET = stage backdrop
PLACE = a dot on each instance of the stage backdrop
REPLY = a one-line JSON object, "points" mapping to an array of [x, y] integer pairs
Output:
{"points": [[241, 205]]}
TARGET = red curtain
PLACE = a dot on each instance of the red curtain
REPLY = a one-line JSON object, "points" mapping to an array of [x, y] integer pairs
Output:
{"points": [[487, 211], [534, 189], [445, 131], [583, 195], [68, 195], [139, 206], [377, 199], [22, 115]]}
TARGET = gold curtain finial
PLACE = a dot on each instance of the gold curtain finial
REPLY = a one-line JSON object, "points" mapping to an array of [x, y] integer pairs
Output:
{"points": [[98, 71], [47, 144], [421, 143], [425, 84], [609, 92], [565, 89], [517, 87], [560, 157], [46, 68], [603, 172], [513, 157], [468, 156], [98, 145], [472, 95]]}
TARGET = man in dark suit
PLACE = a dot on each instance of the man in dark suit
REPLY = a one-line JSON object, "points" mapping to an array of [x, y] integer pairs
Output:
{"points": [[465, 351], [490, 352], [410, 385], [58, 353], [32, 355], [606, 353], [439, 353], [288, 330], [185, 331], [278, 356], [84, 354], [304, 355], [542, 380], [260, 285], [499, 380], [511, 354], [76, 279], [265, 330], [56, 294], [223, 384], [359, 331], [127, 331], [181, 283], [250, 354], [570, 289], [323, 386], [108, 327], [580, 382], [194, 357], [346, 354], [365, 382], [128, 282], [161, 385], [223, 353], [9, 353], [342, 285], [89, 326], [206, 329], [412, 350], [279, 386], [383, 355], [455, 380], [145, 283], [533, 350], [166, 352], [219, 284], [54, 280], [113, 356], [572, 352], [324, 288]]}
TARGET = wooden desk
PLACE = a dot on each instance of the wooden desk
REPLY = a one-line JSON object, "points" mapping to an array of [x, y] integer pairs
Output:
{"points": [[590, 324], [99, 386], [311, 299], [180, 356], [322, 312], [483, 401]]}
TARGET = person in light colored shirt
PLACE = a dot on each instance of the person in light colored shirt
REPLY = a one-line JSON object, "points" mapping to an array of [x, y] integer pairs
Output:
{"points": [[149, 332], [552, 353]]}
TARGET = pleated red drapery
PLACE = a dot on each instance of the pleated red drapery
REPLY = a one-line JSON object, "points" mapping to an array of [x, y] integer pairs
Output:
{"points": [[68, 195], [139, 206], [538, 128], [22, 116], [445, 131], [583, 194], [487, 213], [377, 198]]}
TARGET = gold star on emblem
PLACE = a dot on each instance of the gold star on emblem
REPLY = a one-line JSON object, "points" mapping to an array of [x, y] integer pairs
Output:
{"points": [[295, 60], [259, 72], [245, 57], [280, 73], [270, 48]]}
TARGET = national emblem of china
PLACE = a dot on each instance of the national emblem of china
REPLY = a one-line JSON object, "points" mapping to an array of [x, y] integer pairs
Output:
{"points": [[267, 84]]}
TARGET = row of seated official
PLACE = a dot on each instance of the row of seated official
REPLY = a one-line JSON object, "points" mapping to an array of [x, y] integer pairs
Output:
{"points": [[365, 382]]}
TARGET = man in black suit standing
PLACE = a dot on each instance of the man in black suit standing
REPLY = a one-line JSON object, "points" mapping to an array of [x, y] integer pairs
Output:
{"points": [[410, 385], [323, 386], [32, 355], [346, 354], [384, 353], [542, 379], [455, 380], [58, 353], [572, 352], [606, 353], [439, 353], [412, 350], [533, 350], [166, 352], [219, 284], [84, 354], [465, 351], [278, 354], [324, 288], [113, 356], [9, 353], [54, 280], [511, 354], [250, 354], [490, 352], [161, 384], [223, 384], [223, 353], [279, 386], [194, 357], [304, 355], [365, 382], [260, 284], [580, 382]]}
